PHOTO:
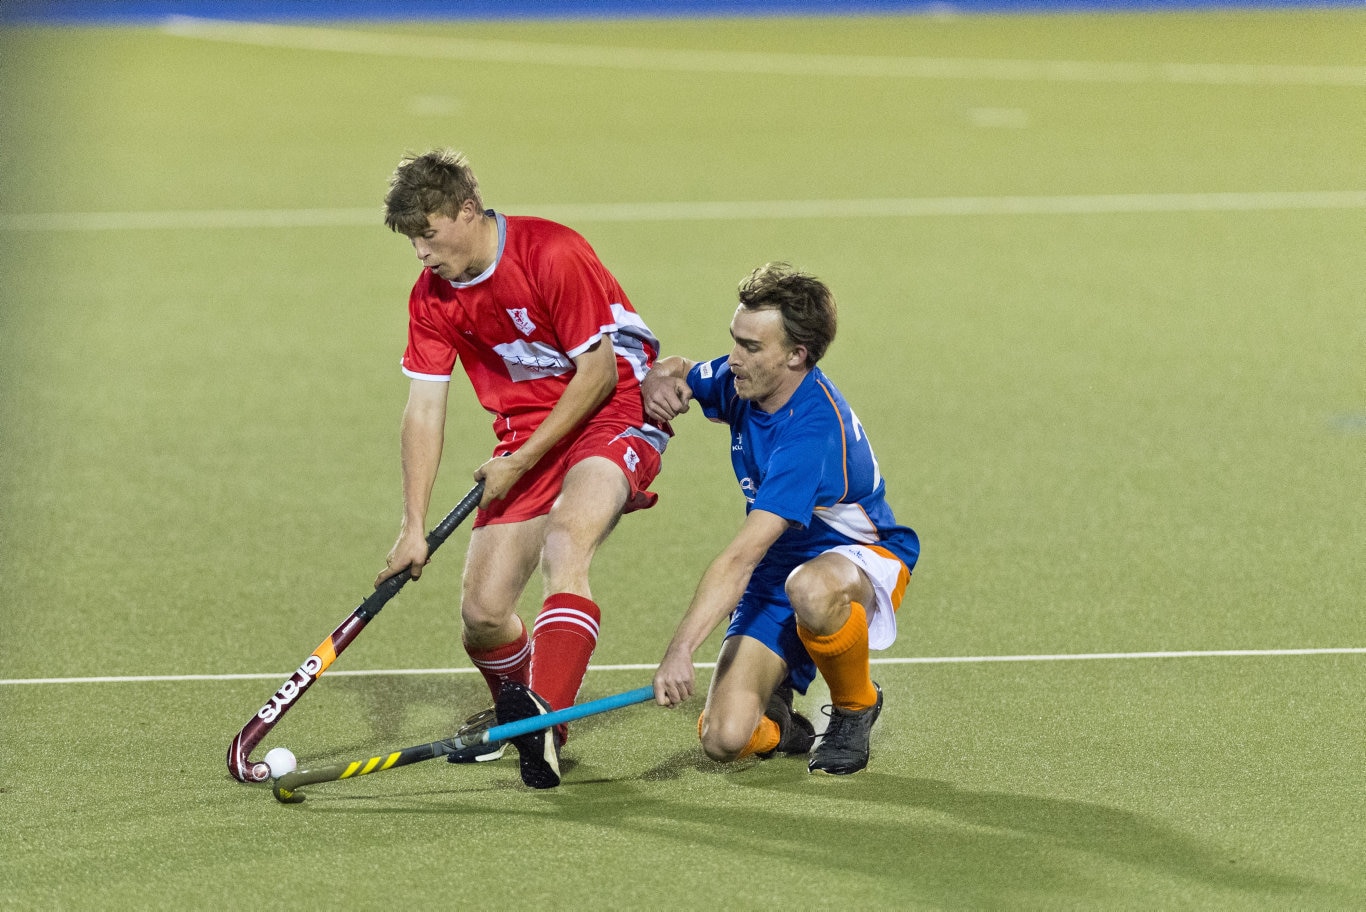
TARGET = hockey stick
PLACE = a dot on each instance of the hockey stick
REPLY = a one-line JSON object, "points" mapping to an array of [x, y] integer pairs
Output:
{"points": [[286, 788], [240, 764]]}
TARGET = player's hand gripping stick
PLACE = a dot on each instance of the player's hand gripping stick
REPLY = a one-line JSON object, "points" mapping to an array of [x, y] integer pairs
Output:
{"points": [[240, 765]]}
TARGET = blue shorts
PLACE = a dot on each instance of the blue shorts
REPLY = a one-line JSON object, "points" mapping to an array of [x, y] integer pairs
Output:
{"points": [[766, 616]]}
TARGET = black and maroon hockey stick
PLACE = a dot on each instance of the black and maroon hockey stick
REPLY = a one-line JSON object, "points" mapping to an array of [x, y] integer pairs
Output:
{"points": [[240, 764]]}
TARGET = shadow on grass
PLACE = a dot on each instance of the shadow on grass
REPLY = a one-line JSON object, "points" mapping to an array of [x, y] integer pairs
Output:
{"points": [[931, 840], [927, 840], [952, 844], [387, 702]]}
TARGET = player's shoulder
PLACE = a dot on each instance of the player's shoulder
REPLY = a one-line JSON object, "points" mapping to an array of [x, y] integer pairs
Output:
{"points": [[540, 243], [817, 403], [429, 287], [712, 380], [820, 394], [539, 230]]}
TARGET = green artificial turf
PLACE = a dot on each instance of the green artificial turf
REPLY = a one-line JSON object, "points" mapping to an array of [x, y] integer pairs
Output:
{"points": [[1116, 432]]}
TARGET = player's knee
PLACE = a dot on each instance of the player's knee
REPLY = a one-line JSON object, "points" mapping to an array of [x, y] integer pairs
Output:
{"points": [[822, 590], [815, 594], [479, 620], [722, 740]]}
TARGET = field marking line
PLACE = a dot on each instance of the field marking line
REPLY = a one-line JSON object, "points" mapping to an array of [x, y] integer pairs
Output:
{"points": [[570, 213], [917, 660], [492, 50]]}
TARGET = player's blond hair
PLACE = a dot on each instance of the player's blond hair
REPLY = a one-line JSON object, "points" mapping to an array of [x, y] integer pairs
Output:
{"points": [[439, 182], [806, 304]]}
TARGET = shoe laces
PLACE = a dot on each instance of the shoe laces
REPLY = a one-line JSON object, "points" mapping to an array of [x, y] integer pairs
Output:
{"points": [[835, 726], [480, 721]]}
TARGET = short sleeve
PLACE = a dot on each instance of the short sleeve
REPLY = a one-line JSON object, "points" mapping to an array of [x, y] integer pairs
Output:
{"points": [[713, 388], [430, 354]]}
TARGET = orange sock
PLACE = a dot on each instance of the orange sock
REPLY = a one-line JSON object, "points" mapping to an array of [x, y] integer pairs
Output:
{"points": [[764, 739], [842, 658]]}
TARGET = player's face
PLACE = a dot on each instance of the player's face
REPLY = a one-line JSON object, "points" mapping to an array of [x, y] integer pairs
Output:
{"points": [[766, 365], [455, 248]]}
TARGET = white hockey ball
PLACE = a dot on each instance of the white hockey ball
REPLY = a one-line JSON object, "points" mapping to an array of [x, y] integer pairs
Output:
{"points": [[281, 760]]}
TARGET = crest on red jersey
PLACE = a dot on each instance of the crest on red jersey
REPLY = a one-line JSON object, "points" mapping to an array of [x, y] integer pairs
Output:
{"points": [[522, 319]]}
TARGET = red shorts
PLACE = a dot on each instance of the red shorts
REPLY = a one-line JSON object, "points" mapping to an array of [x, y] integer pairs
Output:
{"points": [[535, 492]]}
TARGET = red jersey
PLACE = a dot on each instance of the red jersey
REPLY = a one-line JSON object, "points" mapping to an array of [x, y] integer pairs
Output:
{"points": [[517, 328]]}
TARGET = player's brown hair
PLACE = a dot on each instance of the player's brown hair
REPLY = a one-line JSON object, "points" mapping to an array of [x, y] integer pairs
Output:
{"points": [[806, 304], [436, 183]]}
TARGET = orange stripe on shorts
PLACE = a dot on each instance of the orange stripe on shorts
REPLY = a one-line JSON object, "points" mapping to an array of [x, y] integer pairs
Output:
{"points": [[903, 577]]}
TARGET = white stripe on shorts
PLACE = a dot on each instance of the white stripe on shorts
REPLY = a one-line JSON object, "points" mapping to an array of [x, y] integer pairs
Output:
{"points": [[883, 572]]}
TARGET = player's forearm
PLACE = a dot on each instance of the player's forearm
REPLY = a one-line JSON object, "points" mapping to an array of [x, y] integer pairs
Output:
{"points": [[717, 594], [574, 406], [421, 442], [673, 367], [592, 384], [726, 577]]}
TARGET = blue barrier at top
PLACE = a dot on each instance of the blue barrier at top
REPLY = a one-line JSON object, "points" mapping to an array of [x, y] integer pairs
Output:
{"points": [[134, 11]]}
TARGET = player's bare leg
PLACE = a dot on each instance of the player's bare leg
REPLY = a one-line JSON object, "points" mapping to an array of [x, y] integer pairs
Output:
{"points": [[566, 629], [747, 673], [822, 590], [501, 559], [589, 505]]}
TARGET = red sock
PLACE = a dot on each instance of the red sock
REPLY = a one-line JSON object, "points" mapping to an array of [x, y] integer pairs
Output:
{"points": [[562, 642], [509, 662]]}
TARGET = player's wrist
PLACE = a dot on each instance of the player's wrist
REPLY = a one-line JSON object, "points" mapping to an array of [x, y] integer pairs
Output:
{"points": [[521, 461], [680, 649]]}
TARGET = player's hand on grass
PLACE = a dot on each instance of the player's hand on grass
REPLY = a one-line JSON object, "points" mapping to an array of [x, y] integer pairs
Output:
{"points": [[409, 553], [674, 679]]}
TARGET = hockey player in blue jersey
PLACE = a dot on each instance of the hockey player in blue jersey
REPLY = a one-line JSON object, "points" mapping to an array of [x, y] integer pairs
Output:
{"points": [[816, 573]]}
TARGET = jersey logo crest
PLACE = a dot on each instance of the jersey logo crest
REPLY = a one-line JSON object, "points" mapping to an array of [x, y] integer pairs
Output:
{"points": [[522, 320]]}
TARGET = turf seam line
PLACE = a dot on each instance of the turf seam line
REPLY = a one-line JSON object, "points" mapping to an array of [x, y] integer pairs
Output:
{"points": [[758, 63], [914, 660], [718, 210]]}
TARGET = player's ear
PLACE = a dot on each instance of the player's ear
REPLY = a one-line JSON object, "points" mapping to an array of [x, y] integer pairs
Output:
{"points": [[796, 359]]}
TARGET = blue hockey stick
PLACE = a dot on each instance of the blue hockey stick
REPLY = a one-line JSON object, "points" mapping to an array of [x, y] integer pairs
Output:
{"points": [[286, 788]]}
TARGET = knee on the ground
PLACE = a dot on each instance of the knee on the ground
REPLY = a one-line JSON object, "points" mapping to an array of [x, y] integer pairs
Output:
{"points": [[723, 740]]}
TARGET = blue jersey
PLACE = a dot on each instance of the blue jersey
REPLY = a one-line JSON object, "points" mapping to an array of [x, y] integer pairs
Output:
{"points": [[810, 463]]}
